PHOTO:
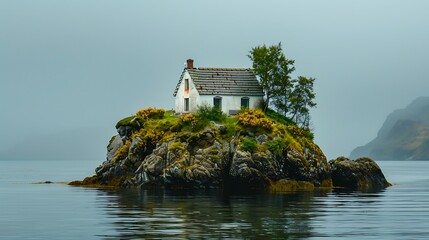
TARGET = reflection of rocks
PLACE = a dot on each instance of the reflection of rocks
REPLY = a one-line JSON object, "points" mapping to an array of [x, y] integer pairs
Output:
{"points": [[183, 214], [362, 173]]}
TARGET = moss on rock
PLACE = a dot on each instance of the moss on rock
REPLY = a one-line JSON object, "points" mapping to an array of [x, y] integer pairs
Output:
{"points": [[359, 174], [253, 151], [285, 185]]}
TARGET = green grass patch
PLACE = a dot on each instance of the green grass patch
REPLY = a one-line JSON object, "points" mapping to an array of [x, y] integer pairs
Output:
{"points": [[129, 121], [176, 146], [249, 145], [276, 146], [231, 125], [279, 118]]}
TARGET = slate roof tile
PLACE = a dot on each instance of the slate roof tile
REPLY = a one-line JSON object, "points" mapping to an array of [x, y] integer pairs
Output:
{"points": [[224, 81]]}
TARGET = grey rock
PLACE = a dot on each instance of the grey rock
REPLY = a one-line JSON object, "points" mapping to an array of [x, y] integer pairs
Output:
{"points": [[134, 147], [221, 128], [113, 146], [261, 139], [125, 132], [161, 149], [360, 174], [154, 164]]}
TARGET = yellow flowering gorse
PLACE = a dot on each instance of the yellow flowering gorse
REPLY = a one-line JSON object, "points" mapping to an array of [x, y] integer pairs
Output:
{"points": [[254, 119], [154, 113]]}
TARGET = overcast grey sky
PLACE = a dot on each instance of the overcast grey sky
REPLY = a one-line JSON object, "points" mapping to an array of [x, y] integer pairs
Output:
{"points": [[80, 66]]}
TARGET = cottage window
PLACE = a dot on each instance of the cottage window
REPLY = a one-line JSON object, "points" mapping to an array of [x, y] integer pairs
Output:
{"points": [[245, 102], [217, 103], [186, 85], [186, 104]]}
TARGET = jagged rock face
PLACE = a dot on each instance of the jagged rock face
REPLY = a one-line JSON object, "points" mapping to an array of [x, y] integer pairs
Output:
{"points": [[310, 166], [113, 146], [205, 160], [125, 132], [184, 164], [253, 152], [209, 163], [360, 174], [112, 169], [252, 169]]}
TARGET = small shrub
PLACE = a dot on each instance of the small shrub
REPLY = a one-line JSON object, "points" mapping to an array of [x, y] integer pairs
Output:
{"points": [[165, 125], [188, 120], [210, 113], [152, 113], [249, 145], [149, 137], [300, 132], [191, 121], [254, 119], [275, 146], [231, 125], [280, 129], [152, 136], [308, 134], [122, 152]]}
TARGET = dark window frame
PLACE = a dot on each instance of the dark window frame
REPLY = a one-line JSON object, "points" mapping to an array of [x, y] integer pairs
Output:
{"points": [[217, 102], [246, 102], [186, 107]]}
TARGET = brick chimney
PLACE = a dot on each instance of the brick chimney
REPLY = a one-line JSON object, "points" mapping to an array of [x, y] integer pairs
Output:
{"points": [[190, 64]]}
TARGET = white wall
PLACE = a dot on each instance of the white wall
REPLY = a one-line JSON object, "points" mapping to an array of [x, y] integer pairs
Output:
{"points": [[181, 95], [230, 102]]}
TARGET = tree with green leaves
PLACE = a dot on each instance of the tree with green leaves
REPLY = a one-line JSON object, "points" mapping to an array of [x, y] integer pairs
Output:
{"points": [[273, 70], [301, 100], [290, 97]]}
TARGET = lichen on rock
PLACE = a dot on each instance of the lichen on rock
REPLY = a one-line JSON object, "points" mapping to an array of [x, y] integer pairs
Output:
{"points": [[156, 149]]}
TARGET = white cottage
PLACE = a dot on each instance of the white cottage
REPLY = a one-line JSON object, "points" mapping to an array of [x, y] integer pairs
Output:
{"points": [[226, 88]]}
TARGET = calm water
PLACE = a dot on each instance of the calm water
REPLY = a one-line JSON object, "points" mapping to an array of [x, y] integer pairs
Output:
{"points": [[57, 211]]}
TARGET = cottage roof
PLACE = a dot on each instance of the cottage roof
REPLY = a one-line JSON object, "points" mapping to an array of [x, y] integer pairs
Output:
{"points": [[224, 81]]}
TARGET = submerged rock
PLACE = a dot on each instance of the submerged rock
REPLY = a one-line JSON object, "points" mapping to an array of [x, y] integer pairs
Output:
{"points": [[360, 174]]}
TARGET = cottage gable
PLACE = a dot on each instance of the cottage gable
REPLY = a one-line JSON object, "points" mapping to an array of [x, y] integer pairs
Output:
{"points": [[226, 88]]}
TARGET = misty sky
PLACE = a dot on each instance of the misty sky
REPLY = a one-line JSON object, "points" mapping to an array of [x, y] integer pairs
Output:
{"points": [[74, 68]]}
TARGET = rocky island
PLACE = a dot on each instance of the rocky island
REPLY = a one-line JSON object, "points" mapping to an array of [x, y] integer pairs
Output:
{"points": [[252, 150]]}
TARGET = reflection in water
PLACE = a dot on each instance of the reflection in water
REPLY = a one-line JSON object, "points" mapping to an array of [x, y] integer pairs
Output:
{"points": [[29, 211], [54, 211], [198, 214]]}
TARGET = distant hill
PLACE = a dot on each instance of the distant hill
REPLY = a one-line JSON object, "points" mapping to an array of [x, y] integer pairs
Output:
{"points": [[403, 136]]}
